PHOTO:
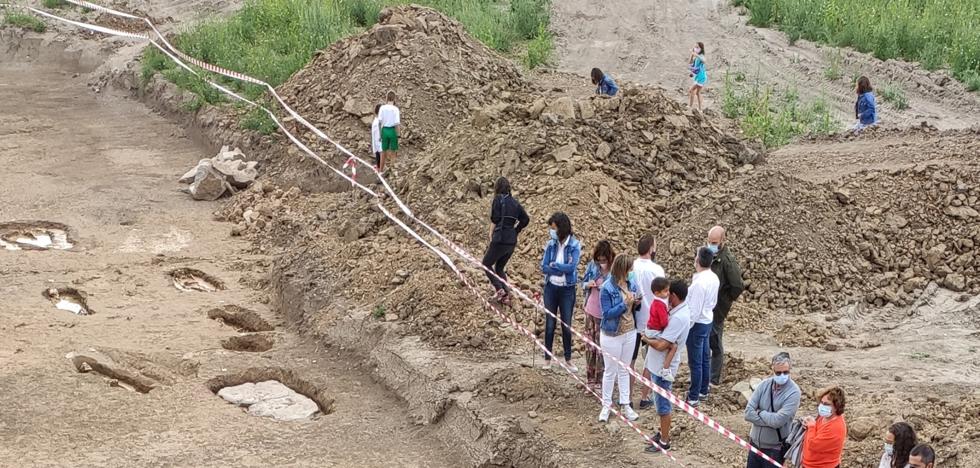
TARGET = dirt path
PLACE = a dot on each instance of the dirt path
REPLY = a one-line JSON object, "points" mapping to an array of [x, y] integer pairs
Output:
{"points": [[650, 43], [107, 167]]}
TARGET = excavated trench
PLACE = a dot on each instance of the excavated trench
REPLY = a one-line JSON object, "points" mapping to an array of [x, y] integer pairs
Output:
{"points": [[35, 235], [69, 299], [273, 392], [248, 343], [189, 279]]}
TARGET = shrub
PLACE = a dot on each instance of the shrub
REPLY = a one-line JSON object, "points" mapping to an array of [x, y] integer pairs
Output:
{"points": [[25, 21], [895, 96]]}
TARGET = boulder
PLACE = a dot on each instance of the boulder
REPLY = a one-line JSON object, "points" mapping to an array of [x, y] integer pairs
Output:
{"points": [[563, 107], [270, 399], [208, 184]]}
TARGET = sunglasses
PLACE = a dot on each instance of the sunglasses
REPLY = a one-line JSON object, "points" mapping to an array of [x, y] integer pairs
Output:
{"points": [[781, 373]]}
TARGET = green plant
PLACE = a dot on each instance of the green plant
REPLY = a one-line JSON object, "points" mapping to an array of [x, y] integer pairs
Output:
{"points": [[833, 72], [379, 311], [259, 121], [24, 21], [935, 33], [539, 49], [971, 80], [55, 4], [895, 96]]}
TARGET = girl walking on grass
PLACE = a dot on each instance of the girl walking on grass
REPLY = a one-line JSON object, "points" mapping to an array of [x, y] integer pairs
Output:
{"points": [[698, 73], [596, 274]]}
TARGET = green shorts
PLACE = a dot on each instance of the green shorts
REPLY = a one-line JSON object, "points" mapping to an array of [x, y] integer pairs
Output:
{"points": [[389, 139]]}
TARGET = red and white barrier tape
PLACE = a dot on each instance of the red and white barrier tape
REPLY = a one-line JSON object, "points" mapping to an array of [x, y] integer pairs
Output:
{"points": [[458, 250]]}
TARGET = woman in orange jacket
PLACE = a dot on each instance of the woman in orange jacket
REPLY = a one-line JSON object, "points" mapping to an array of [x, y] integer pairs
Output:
{"points": [[825, 434]]}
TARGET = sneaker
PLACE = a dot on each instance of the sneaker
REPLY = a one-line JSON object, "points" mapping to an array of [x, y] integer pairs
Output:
{"points": [[505, 299], [667, 375], [547, 364], [693, 403], [629, 413], [654, 448], [571, 367], [604, 414], [647, 404], [703, 396]]}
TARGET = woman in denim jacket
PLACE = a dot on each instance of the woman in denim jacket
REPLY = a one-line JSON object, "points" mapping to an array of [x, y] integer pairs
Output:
{"points": [[560, 267], [596, 273], [619, 298]]}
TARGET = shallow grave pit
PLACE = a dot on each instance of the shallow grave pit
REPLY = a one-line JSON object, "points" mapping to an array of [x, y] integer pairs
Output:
{"points": [[34, 235], [273, 392], [248, 343], [189, 279], [69, 299]]}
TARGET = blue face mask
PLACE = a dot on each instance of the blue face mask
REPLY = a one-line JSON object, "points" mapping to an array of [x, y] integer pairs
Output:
{"points": [[553, 233], [824, 410], [713, 248], [889, 449], [781, 379]]}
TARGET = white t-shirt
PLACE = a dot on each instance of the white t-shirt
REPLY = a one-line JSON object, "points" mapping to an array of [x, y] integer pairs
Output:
{"points": [[390, 116], [702, 296], [644, 271], [376, 135], [678, 326], [559, 280]]}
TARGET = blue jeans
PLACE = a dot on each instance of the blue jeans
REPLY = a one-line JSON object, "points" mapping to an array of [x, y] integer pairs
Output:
{"points": [[560, 300], [756, 461], [699, 360], [664, 407]]}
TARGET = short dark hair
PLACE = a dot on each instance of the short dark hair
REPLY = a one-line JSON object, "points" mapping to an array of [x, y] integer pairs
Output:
{"points": [[836, 396], [659, 284], [645, 243], [502, 187], [679, 288], [377, 109], [925, 452], [604, 249], [564, 225], [864, 85], [705, 257], [597, 75]]}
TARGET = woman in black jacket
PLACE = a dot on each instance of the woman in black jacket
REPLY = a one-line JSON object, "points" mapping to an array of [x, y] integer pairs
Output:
{"points": [[508, 218]]}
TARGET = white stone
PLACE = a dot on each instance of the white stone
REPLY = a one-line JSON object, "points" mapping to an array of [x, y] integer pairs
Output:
{"points": [[270, 399]]}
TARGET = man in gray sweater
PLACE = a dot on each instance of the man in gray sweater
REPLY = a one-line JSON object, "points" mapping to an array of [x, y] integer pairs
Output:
{"points": [[771, 411]]}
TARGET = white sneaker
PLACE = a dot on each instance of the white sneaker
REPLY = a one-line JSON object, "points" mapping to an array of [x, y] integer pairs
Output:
{"points": [[629, 413], [571, 367], [547, 365], [667, 375], [604, 414]]}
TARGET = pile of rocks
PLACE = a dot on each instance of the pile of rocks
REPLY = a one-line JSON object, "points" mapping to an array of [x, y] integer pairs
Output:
{"points": [[225, 173]]}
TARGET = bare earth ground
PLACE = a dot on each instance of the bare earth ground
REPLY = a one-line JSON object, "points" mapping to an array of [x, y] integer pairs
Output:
{"points": [[107, 167], [646, 42]]}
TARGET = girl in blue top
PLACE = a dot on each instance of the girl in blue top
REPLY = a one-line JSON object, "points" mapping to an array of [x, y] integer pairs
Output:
{"points": [[618, 298], [560, 268], [865, 109], [698, 74], [605, 85]]}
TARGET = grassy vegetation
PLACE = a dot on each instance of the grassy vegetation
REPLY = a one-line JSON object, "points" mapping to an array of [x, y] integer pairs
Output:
{"points": [[936, 33], [272, 39], [771, 115], [894, 95], [55, 4], [25, 21]]}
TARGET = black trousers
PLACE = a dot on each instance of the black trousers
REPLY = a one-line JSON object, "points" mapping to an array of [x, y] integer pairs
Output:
{"points": [[496, 259]]}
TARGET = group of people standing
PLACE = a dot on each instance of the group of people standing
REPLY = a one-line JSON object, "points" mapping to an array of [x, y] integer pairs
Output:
{"points": [[816, 441], [633, 309]]}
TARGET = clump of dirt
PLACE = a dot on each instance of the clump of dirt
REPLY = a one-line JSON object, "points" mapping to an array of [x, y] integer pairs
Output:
{"points": [[522, 384], [802, 332], [242, 319], [137, 372], [248, 343]]}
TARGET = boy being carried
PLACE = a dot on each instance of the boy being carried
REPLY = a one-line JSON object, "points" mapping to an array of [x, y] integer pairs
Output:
{"points": [[658, 321]]}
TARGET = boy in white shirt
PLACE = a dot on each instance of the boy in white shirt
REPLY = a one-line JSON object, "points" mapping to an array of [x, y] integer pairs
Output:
{"points": [[390, 118]]}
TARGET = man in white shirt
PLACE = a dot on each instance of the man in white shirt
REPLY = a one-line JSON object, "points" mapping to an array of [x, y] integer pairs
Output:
{"points": [[376, 139], [390, 118], [678, 328], [701, 299], [644, 271]]}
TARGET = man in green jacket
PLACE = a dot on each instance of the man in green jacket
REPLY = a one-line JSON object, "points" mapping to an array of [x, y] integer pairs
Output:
{"points": [[731, 286]]}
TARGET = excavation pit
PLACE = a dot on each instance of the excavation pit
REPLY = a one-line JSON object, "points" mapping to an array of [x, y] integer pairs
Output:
{"points": [[242, 319], [248, 343], [272, 392], [34, 235], [69, 299], [189, 279]]}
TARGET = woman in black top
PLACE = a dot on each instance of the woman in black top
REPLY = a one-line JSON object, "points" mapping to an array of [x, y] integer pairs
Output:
{"points": [[508, 218]]}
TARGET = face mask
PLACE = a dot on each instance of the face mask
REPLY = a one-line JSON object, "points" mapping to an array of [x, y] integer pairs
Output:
{"points": [[603, 266], [889, 449], [553, 233], [824, 410], [697, 50], [713, 248], [782, 379]]}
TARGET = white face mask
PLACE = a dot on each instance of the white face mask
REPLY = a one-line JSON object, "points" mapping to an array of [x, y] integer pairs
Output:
{"points": [[824, 410], [889, 449]]}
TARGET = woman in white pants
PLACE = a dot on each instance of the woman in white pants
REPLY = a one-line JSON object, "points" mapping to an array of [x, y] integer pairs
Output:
{"points": [[618, 298]]}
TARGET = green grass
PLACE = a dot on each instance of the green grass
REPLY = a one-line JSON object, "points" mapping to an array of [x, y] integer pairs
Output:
{"points": [[24, 21], [935, 33], [834, 70], [272, 39], [895, 96], [379, 311], [55, 4], [770, 115]]}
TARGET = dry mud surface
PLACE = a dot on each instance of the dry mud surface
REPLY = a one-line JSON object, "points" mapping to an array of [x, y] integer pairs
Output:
{"points": [[860, 254]]}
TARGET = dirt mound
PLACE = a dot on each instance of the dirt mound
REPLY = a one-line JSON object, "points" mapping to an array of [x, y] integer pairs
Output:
{"points": [[437, 70]]}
